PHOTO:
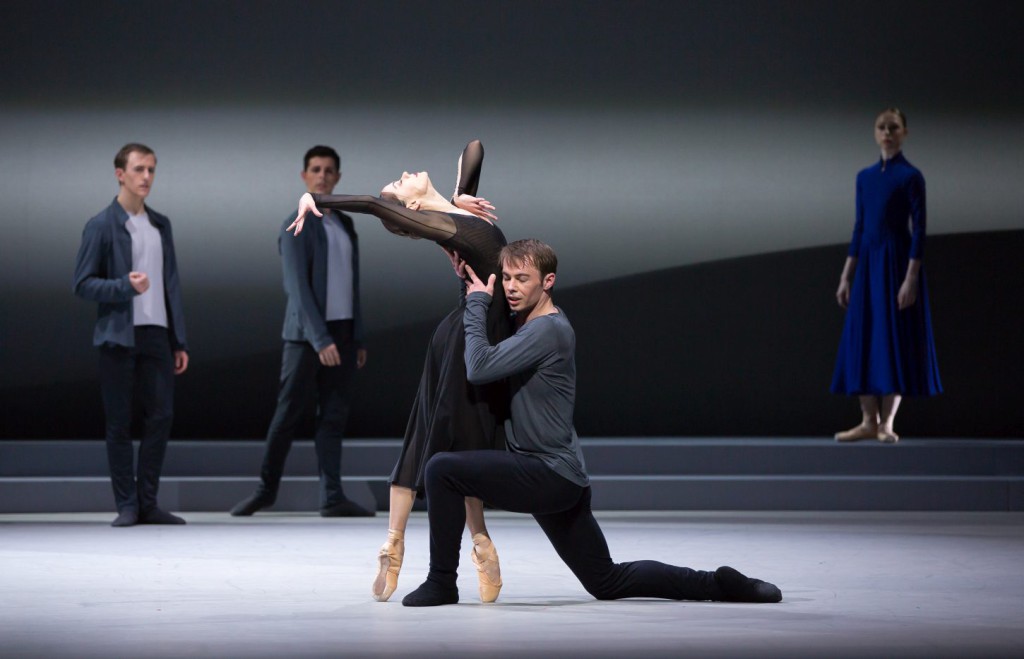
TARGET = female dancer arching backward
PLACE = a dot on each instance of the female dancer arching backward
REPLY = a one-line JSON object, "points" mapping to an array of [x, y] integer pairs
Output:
{"points": [[448, 413]]}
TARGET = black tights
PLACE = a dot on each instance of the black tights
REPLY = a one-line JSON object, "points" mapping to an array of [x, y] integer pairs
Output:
{"points": [[524, 484]]}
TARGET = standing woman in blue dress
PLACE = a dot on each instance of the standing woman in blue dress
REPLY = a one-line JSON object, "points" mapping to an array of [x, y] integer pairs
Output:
{"points": [[887, 350]]}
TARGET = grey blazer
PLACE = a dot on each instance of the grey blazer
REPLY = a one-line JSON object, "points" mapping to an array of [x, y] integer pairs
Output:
{"points": [[101, 275], [304, 266]]}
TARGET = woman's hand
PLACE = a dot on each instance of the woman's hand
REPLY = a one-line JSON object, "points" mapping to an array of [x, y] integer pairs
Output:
{"points": [[476, 205], [306, 204], [476, 286], [908, 293], [843, 292]]}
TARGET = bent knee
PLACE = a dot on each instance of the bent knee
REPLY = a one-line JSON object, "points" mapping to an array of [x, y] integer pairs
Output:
{"points": [[439, 466]]}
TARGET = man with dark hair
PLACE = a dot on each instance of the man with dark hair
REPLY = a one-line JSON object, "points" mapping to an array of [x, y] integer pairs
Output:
{"points": [[542, 472], [323, 344], [126, 263]]}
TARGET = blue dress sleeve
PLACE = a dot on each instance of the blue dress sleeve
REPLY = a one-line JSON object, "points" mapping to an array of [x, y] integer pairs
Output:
{"points": [[918, 214], [858, 224]]}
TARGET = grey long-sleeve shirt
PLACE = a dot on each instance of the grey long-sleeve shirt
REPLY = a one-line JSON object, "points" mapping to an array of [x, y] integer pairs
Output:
{"points": [[539, 361]]}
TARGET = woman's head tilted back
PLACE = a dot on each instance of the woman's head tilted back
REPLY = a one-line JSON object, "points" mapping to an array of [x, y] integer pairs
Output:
{"points": [[409, 189]]}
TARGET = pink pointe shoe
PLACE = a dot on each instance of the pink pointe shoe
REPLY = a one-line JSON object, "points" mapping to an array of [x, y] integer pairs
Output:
{"points": [[389, 559], [485, 557]]}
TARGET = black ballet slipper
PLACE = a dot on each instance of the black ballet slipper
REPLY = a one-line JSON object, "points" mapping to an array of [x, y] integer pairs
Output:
{"points": [[257, 501], [431, 594], [737, 587], [346, 508], [159, 516], [126, 518]]}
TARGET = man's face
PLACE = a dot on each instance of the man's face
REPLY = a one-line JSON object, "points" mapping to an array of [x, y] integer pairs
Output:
{"points": [[137, 176], [523, 285], [321, 175]]}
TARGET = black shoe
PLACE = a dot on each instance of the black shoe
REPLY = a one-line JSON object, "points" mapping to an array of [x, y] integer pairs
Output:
{"points": [[346, 508], [258, 501], [159, 516], [126, 518], [737, 587], [431, 594]]}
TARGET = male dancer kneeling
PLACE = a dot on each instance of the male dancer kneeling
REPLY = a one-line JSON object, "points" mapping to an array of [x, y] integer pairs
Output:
{"points": [[542, 472]]}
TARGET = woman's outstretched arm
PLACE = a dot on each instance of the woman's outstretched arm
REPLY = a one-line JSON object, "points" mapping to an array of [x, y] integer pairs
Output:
{"points": [[432, 225]]}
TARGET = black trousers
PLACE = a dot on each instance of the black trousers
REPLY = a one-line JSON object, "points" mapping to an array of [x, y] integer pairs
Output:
{"points": [[145, 371], [524, 484], [304, 380]]}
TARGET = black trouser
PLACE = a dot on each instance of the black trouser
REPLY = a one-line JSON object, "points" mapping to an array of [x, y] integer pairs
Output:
{"points": [[524, 484], [302, 376], [146, 370]]}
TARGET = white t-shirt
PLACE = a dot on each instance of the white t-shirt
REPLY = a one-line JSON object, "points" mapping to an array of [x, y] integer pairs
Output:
{"points": [[150, 308], [339, 269]]}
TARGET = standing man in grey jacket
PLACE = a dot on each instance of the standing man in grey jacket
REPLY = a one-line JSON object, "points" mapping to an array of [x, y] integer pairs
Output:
{"points": [[126, 263], [323, 344]]}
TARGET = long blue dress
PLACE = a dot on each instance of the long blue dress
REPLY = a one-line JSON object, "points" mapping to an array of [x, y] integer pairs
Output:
{"points": [[884, 350]]}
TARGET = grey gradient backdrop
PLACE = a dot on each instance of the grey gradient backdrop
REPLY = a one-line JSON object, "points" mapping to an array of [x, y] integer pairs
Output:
{"points": [[633, 136]]}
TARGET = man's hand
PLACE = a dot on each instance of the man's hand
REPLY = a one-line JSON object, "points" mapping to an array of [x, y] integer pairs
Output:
{"points": [[360, 357], [306, 204], [476, 205], [139, 281], [329, 356], [477, 286], [458, 264], [180, 361]]}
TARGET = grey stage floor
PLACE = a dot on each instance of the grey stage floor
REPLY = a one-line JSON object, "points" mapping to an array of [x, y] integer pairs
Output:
{"points": [[294, 585]]}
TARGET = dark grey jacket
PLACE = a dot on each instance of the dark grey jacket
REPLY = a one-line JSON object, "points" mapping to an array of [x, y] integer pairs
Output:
{"points": [[304, 266], [101, 275]]}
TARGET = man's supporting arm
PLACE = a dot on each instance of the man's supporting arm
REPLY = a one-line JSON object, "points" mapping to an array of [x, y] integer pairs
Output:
{"points": [[523, 351]]}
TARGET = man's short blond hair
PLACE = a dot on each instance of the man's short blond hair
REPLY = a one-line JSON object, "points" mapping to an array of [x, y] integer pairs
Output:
{"points": [[538, 254]]}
